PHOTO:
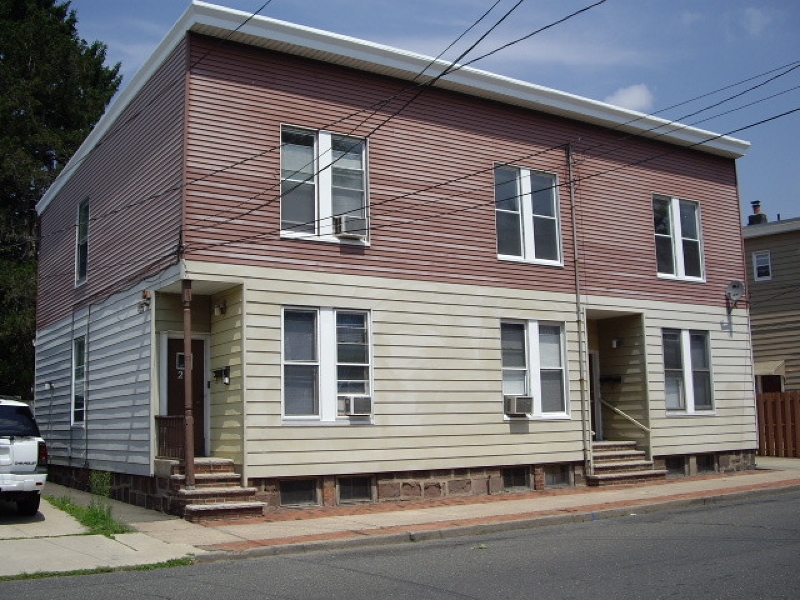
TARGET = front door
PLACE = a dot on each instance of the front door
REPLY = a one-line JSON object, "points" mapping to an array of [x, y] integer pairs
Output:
{"points": [[175, 387], [596, 412]]}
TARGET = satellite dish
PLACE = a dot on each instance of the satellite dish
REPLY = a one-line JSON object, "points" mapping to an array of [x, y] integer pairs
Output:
{"points": [[734, 291]]}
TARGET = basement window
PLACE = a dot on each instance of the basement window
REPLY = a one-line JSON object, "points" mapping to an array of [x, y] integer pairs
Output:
{"points": [[295, 492], [556, 475], [516, 478], [355, 489]]}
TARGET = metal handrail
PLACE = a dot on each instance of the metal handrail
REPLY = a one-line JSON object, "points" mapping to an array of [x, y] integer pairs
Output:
{"points": [[624, 415]]}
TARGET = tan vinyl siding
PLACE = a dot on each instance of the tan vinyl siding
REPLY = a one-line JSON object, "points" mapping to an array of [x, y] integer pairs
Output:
{"points": [[437, 376], [775, 303], [133, 186], [431, 183]]}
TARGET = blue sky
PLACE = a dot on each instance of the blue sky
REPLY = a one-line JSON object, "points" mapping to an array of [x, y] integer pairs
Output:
{"points": [[647, 55]]}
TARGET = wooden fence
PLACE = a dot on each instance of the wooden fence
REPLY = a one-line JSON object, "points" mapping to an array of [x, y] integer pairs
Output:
{"points": [[779, 424]]}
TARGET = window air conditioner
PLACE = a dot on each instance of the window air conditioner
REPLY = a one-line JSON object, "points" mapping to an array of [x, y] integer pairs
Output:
{"points": [[353, 406], [517, 405], [350, 227]]}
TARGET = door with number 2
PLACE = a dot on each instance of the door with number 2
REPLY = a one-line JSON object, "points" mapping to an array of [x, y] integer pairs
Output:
{"points": [[175, 387]]}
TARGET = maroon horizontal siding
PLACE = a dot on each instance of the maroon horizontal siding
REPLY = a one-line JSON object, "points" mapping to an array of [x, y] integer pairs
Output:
{"points": [[132, 180], [240, 96]]}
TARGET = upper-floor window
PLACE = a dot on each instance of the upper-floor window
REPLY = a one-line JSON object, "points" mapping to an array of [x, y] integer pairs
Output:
{"points": [[82, 243], [79, 380], [327, 367], [762, 266], [677, 231], [526, 213], [532, 354], [687, 370], [323, 185]]}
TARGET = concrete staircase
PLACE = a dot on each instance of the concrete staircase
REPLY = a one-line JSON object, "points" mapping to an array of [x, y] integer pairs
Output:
{"points": [[217, 494], [617, 463]]}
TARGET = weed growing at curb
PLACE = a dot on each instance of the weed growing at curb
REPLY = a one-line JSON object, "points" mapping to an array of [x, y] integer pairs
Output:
{"points": [[96, 517]]}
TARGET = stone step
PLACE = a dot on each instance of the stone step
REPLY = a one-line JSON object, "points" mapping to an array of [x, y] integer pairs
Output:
{"points": [[623, 466], [224, 511], [626, 477], [206, 465], [205, 480], [621, 455], [215, 495], [613, 446]]}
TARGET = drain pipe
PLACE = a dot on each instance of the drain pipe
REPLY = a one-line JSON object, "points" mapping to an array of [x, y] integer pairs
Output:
{"points": [[588, 464]]}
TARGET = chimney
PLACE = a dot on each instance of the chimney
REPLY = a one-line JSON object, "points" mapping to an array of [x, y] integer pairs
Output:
{"points": [[757, 217]]}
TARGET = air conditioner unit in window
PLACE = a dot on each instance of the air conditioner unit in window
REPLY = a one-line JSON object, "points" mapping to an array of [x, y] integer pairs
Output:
{"points": [[350, 227], [517, 405], [354, 406]]}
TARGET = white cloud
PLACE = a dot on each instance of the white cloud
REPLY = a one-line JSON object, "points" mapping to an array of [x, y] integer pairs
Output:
{"points": [[634, 97], [755, 21]]}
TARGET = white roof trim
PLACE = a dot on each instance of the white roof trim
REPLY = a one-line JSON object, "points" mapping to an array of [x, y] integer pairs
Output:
{"points": [[218, 21], [769, 367], [773, 228]]}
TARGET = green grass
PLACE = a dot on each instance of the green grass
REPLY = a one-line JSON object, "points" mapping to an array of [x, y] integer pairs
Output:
{"points": [[175, 562], [96, 517]]}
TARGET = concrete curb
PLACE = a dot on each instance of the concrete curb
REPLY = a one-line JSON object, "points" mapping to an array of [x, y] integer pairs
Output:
{"points": [[431, 532]]}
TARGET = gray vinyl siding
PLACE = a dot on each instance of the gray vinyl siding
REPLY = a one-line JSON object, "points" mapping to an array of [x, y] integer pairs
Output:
{"points": [[116, 434]]}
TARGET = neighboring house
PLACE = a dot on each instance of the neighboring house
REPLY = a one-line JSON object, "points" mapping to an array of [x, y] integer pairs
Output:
{"points": [[772, 252], [386, 298]]}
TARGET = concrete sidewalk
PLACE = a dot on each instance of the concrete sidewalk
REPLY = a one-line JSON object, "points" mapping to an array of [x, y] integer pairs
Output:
{"points": [[53, 542]]}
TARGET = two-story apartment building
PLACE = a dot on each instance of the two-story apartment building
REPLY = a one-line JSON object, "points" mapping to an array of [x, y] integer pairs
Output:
{"points": [[772, 250], [372, 288]]}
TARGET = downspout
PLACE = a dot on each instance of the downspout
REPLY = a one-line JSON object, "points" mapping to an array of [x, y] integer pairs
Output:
{"points": [[588, 464]]}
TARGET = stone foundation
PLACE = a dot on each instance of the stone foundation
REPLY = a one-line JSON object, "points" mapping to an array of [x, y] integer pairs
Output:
{"points": [[155, 492]]}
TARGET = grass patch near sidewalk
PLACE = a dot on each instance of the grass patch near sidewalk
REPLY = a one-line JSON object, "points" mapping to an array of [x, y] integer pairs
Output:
{"points": [[175, 562], [96, 517]]}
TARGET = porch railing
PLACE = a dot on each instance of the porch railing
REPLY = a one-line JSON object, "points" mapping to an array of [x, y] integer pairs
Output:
{"points": [[170, 436], [624, 415], [779, 424]]}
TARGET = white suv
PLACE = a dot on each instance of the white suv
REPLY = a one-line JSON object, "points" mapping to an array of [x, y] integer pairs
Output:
{"points": [[23, 457]]}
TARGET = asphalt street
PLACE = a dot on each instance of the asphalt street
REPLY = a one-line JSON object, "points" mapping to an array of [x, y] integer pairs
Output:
{"points": [[745, 548]]}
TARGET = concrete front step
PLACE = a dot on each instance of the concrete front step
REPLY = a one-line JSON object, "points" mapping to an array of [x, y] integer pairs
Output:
{"points": [[224, 511], [625, 477], [613, 446]]}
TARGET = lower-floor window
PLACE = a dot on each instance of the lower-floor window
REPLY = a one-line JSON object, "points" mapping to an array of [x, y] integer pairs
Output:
{"points": [[687, 370], [79, 380], [533, 365], [327, 366]]}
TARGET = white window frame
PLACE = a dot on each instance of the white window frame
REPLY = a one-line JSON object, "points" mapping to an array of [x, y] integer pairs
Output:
{"points": [[534, 367], [677, 238], [82, 243], [525, 199], [687, 373], [758, 260], [323, 186], [327, 363], [78, 380]]}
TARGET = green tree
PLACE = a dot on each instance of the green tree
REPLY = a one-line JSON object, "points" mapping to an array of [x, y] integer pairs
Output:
{"points": [[54, 86]]}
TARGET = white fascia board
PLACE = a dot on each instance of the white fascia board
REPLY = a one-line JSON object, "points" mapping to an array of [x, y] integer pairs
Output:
{"points": [[221, 22], [773, 228]]}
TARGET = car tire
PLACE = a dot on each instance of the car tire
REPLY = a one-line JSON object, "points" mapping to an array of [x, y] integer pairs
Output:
{"points": [[29, 506]]}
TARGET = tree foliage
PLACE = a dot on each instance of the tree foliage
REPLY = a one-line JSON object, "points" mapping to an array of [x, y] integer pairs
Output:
{"points": [[54, 86]]}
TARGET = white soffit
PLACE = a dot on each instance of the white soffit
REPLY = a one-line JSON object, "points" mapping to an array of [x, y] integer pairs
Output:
{"points": [[220, 22]]}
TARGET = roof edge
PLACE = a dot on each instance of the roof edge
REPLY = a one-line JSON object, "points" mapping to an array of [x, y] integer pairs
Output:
{"points": [[211, 19]]}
